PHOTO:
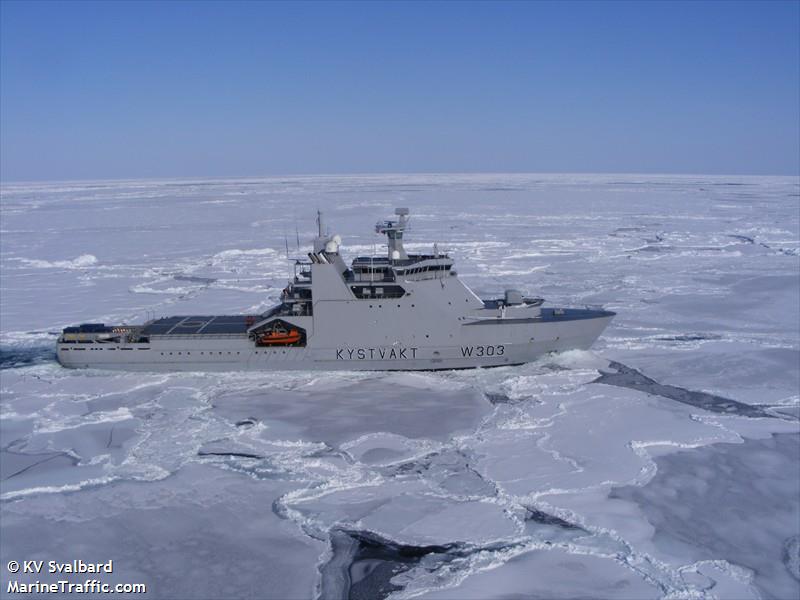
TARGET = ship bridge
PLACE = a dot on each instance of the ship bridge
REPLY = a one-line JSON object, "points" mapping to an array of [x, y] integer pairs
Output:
{"points": [[398, 264], [415, 266]]}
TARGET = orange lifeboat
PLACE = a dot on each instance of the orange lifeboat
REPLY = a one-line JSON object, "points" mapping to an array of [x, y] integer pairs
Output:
{"points": [[279, 337]]}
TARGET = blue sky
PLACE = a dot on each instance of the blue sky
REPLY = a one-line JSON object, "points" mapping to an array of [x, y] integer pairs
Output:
{"points": [[184, 89]]}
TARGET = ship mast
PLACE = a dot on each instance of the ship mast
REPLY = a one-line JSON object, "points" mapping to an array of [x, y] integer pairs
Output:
{"points": [[320, 228], [394, 232]]}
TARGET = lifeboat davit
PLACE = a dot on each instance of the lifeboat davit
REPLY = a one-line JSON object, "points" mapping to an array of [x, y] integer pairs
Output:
{"points": [[280, 337]]}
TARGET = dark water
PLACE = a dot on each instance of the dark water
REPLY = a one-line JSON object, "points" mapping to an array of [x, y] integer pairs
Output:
{"points": [[629, 377], [12, 358], [363, 564]]}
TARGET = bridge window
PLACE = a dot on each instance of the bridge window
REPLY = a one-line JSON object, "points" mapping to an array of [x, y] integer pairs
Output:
{"points": [[366, 292]]}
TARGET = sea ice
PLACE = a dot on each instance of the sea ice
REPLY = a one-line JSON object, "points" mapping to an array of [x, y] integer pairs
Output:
{"points": [[663, 463]]}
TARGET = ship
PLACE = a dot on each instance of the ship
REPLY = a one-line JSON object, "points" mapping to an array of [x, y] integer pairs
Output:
{"points": [[397, 311]]}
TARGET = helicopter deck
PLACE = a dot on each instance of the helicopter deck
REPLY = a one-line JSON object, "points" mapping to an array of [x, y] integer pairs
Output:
{"points": [[198, 325]]}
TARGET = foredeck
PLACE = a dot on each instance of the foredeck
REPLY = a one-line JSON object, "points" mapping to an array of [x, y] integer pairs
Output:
{"points": [[548, 315]]}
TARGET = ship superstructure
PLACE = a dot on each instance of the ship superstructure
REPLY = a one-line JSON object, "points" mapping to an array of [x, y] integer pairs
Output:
{"points": [[395, 312]]}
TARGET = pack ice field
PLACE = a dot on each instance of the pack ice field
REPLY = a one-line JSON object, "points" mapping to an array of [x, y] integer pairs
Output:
{"points": [[660, 463]]}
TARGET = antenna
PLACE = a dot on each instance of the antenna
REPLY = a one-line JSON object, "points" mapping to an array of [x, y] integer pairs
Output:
{"points": [[297, 235]]}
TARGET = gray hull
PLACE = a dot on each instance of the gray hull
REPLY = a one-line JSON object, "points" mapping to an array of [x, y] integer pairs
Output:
{"points": [[480, 345]]}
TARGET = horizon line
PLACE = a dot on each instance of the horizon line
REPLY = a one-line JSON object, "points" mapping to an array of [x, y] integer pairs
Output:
{"points": [[386, 173]]}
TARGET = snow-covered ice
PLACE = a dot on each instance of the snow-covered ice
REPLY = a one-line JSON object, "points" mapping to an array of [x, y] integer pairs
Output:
{"points": [[662, 464]]}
